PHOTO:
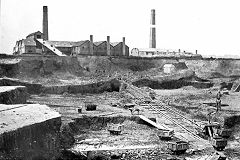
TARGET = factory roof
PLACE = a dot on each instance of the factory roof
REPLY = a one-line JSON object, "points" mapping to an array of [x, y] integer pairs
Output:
{"points": [[115, 43], [98, 43], [34, 33], [79, 43], [29, 42], [62, 43], [67, 43]]}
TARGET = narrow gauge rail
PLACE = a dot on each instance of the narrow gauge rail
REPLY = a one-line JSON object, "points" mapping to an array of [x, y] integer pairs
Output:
{"points": [[165, 115], [176, 115]]}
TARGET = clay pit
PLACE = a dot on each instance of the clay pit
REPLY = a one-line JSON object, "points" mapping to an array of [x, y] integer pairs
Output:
{"points": [[61, 87]]}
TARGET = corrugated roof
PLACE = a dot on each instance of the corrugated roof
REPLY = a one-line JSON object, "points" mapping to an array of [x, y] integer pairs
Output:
{"points": [[29, 42]]}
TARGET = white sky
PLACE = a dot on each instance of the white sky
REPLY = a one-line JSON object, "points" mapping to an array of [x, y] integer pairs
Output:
{"points": [[210, 26]]}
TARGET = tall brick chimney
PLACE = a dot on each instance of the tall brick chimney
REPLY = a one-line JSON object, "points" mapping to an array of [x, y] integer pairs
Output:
{"points": [[152, 41], [91, 44], [45, 23], [123, 47], [108, 46]]}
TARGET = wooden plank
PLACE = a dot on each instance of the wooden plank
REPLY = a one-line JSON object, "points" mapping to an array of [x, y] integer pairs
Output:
{"points": [[152, 123], [51, 47]]}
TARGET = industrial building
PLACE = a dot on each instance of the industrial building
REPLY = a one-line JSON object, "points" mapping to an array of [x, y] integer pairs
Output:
{"points": [[152, 51], [165, 53], [38, 43]]}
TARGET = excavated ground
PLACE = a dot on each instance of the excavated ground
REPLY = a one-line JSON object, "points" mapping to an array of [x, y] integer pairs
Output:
{"points": [[140, 138], [196, 103], [57, 74]]}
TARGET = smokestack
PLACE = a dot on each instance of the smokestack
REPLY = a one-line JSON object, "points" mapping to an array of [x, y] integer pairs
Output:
{"points": [[108, 45], [45, 23], [152, 42], [91, 44], [123, 47]]}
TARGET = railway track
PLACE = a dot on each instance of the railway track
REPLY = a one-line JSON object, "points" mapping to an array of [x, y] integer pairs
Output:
{"points": [[175, 117], [180, 114], [175, 120]]}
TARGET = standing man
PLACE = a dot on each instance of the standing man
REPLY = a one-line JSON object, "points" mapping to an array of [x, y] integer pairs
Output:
{"points": [[210, 116], [218, 101]]}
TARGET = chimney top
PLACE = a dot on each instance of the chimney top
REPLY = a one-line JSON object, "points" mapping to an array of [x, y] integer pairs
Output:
{"points": [[45, 23], [45, 8]]}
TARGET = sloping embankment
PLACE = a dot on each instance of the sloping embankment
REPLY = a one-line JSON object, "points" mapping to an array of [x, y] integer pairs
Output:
{"points": [[99, 87], [214, 68], [36, 66], [40, 66], [174, 81]]}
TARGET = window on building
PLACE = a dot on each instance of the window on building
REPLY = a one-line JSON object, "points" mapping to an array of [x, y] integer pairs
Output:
{"points": [[38, 36]]}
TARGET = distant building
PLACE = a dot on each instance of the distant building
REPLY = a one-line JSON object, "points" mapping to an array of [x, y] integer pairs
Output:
{"points": [[153, 52], [34, 44], [28, 45], [101, 48], [82, 47], [39, 43], [64, 46], [117, 49], [36, 35]]}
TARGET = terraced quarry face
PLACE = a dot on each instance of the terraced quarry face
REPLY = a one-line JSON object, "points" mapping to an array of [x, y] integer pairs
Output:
{"points": [[182, 102]]}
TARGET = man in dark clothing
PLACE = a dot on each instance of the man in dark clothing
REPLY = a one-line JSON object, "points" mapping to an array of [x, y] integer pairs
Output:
{"points": [[218, 101]]}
